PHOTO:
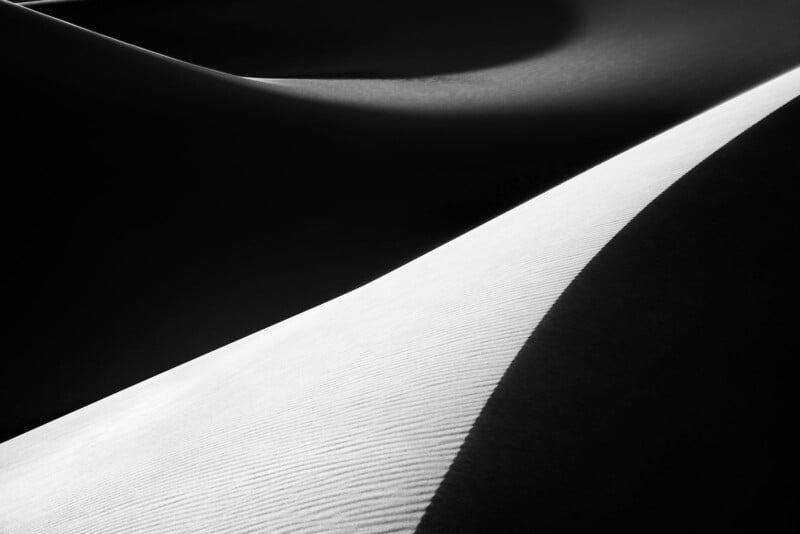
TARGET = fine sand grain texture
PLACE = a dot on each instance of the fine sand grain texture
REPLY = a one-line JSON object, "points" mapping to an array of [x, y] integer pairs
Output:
{"points": [[346, 417]]}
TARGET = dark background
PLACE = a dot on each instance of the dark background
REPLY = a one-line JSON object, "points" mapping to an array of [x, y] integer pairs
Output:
{"points": [[154, 211]]}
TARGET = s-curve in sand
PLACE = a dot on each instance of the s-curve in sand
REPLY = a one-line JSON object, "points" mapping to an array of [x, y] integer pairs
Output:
{"points": [[346, 417], [466, 56]]}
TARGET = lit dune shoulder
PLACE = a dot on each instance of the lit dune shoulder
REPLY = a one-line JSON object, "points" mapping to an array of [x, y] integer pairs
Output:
{"points": [[348, 416]]}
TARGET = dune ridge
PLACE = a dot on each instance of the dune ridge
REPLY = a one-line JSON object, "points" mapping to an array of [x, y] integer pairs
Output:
{"points": [[191, 260], [656, 392], [554, 54], [271, 432]]}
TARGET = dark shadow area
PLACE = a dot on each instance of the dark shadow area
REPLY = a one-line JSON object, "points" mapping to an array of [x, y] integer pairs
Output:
{"points": [[155, 212], [658, 393], [355, 38]]}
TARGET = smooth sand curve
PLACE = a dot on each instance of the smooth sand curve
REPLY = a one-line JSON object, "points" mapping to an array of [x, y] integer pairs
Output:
{"points": [[346, 417]]}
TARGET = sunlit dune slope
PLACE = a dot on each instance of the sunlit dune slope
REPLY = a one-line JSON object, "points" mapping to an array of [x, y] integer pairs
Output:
{"points": [[348, 416], [182, 208]]}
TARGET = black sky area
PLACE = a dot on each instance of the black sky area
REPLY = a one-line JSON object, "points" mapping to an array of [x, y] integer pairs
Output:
{"points": [[154, 212]]}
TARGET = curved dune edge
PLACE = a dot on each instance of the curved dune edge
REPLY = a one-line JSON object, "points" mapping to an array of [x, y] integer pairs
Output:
{"points": [[657, 388], [31, 14], [315, 38], [75, 90], [640, 53], [346, 417], [625, 51], [622, 51]]}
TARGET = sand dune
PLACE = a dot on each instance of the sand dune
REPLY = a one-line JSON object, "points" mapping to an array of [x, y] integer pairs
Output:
{"points": [[656, 391], [317, 38], [606, 354], [466, 56], [166, 209], [347, 416], [617, 51]]}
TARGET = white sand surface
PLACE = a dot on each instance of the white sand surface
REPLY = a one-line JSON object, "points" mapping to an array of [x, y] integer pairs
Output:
{"points": [[346, 417]]}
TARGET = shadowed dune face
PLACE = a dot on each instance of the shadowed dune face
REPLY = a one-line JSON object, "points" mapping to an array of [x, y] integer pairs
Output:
{"points": [[620, 52], [530, 58], [314, 37], [653, 395], [163, 242], [345, 418]]}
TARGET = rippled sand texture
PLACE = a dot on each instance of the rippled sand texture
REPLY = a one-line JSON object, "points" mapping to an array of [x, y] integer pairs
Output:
{"points": [[347, 416]]}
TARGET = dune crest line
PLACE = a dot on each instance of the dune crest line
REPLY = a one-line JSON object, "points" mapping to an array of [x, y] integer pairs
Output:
{"points": [[347, 416]]}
